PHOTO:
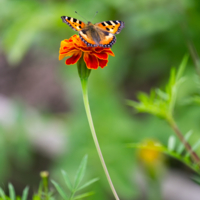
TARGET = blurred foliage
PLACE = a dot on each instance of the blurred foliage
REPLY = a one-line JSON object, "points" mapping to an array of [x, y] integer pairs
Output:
{"points": [[171, 150], [154, 38], [74, 188], [162, 104], [12, 195], [45, 193]]}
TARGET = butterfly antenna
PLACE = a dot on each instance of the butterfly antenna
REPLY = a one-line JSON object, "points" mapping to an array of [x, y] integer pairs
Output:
{"points": [[94, 15], [81, 16]]}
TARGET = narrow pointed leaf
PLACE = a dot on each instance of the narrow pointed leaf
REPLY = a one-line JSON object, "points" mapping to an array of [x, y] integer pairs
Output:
{"points": [[81, 172], [67, 180], [2, 194], [11, 191], [181, 146], [182, 68], [194, 147], [88, 183], [171, 143], [60, 190], [25, 193], [162, 94], [81, 196]]}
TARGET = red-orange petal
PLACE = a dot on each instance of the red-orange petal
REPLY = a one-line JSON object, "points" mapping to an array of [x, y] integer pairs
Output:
{"points": [[108, 51], [62, 55], [104, 50], [91, 61], [67, 50], [103, 63], [98, 49], [103, 56], [72, 60], [83, 48]]}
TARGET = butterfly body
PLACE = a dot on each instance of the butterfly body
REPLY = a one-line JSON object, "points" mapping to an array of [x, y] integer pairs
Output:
{"points": [[100, 34]]}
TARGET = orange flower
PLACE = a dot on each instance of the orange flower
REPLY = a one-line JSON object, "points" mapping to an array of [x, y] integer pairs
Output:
{"points": [[93, 56]]}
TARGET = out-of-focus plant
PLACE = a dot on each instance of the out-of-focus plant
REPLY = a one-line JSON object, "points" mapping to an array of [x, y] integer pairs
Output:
{"points": [[12, 195], [196, 60], [74, 188], [151, 166], [172, 150], [45, 194], [161, 104], [150, 155]]}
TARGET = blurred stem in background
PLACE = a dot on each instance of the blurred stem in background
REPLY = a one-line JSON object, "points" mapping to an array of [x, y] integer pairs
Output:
{"points": [[162, 103], [179, 134], [84, 73], [44, 185]]}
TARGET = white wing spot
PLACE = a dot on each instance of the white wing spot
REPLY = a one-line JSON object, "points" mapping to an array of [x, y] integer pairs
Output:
{"points": [[112, 23]]}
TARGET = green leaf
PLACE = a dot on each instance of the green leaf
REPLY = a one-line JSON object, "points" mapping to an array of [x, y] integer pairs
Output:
{"points": [[2, 194], [88, 183], [182, 68], [162, 94], [36, 197], [181, 146], [194, 147], [25, 193], [11, 191], [60, 190], [81, 172], [81, 196], [67, 180], [171, 143]]}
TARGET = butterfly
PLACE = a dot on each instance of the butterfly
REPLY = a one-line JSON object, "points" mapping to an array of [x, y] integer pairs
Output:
{"points": [[100, 34]]}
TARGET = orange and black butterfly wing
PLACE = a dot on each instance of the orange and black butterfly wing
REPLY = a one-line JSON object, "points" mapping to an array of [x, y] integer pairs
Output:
{"points": [[107, 39], [112, 26], [100, 38], [86, 37], [75, 24]]}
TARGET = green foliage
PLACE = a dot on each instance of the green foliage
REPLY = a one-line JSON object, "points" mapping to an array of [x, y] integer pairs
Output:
{"points": [[12, 195], [44, 193], [173, 151], [74, 188], [161, 103]]}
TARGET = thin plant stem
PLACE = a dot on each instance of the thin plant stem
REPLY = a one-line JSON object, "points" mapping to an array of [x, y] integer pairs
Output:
{"points": [[193, 154], [72, 195], [89, 116]]}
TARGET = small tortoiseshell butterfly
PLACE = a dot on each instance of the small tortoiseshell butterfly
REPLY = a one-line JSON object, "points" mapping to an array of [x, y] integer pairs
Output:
{"points": [[100, 34]]}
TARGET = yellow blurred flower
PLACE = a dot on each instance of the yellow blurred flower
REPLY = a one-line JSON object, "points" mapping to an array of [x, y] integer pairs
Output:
{"points": [[150, 153]]}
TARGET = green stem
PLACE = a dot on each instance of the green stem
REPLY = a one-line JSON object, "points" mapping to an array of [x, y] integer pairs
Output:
{"points": [[193, 154], [44, 175], [72, 195], [89, 116]]}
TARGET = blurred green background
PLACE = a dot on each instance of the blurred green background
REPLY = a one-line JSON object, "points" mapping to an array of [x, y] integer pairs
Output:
{"points": [[43, 124]]}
